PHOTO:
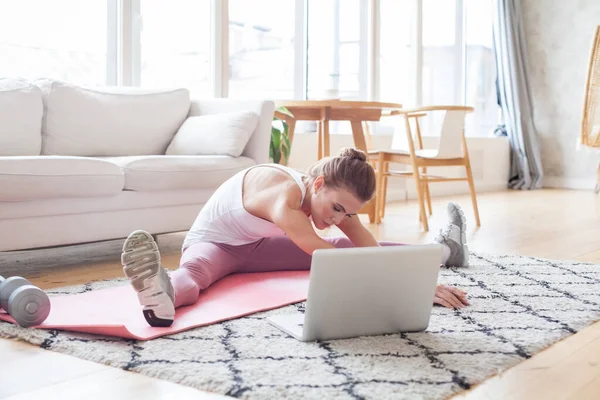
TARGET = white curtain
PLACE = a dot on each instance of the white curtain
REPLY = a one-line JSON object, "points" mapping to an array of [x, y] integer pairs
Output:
{"points": [[514, 95]]}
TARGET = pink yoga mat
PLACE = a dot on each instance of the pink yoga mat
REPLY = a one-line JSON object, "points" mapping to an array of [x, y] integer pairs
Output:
{"points": [[116, 311]]}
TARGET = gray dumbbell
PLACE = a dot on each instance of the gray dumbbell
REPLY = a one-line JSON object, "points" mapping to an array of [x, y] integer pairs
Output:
{"points": [[27, 304]]}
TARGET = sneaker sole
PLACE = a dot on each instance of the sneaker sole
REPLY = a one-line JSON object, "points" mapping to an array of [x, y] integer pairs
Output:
{"points": [[463, 235], [141, 264]]}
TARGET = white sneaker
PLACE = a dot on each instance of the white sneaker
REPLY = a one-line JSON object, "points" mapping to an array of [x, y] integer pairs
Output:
{"points": [[455, 237], [141, 263]]}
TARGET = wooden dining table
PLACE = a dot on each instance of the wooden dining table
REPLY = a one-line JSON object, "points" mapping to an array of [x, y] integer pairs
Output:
{"points": [[323, 111]]}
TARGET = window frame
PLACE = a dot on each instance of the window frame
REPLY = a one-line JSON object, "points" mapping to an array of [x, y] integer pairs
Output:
{"points": [[124, 48]]}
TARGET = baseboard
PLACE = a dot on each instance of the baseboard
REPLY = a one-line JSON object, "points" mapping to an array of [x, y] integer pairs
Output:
{"points": [[562, 182]]}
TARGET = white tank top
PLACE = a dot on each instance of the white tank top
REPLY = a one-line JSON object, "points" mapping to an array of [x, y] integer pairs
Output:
{"points": [[223, 219]]}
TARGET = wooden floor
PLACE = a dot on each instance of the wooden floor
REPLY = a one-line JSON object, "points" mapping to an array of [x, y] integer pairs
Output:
{"points": [[549, 223]]}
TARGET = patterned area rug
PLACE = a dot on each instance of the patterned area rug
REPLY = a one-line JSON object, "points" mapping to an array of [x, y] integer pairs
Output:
{"points": [[520, 305]]}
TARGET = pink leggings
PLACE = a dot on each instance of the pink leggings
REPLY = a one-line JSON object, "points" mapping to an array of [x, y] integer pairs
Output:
{"points": [[204, 263]]}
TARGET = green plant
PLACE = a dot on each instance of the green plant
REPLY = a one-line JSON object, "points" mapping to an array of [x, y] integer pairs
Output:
{"points": [[279, 150]]}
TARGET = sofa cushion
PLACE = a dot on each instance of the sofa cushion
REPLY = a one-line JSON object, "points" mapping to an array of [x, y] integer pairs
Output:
{"points": [[125, 200], [147, 173], [217, 134], [108, 122], [21, 111], [46, 177]]}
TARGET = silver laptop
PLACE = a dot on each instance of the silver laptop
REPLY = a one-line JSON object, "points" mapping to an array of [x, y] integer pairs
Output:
{"points": [[366, 291]]}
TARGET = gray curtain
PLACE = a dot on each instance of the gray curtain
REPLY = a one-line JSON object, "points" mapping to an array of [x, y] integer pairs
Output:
{"points": [[514, 95]]}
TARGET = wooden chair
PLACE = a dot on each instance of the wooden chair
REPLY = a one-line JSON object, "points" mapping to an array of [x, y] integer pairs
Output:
{"points": [[451, 152], [590, 122]]}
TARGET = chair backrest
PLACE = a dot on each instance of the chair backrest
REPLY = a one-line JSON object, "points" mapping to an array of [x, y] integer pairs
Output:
{"points": [[451, 135], [450, 144]]}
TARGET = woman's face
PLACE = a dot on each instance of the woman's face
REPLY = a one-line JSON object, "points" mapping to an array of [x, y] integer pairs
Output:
{"points": [[329, 206]]}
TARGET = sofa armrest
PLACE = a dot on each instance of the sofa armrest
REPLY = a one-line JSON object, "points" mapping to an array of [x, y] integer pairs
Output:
{"points": [[258, 145]]}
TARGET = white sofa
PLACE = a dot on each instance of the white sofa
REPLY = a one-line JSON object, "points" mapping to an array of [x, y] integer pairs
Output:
{"points": [[82, 165]]}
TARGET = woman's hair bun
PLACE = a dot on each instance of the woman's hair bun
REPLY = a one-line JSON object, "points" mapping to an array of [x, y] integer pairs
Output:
{"points": [[353, 154]]}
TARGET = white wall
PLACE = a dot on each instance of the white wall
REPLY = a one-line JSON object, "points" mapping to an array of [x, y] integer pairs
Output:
{"points": [[559, 38], [489, 159]]}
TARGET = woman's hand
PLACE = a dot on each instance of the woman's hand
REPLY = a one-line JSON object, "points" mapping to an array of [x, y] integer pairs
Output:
{"points": [[357, 233], [450, 297]]}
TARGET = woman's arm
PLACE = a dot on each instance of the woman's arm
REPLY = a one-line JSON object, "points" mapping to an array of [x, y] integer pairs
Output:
{"points": [[357, 233], [296, 224]]}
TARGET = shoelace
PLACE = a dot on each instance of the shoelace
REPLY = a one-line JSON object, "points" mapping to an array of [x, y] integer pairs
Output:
{"points": [[451, 232]]}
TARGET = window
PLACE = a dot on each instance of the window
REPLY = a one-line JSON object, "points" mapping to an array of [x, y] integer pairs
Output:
{"points": [[441, 72], [175, 45], [397, 52], [62, 39], [262, 48], [427, 51], [458, 62], [336, 61], [480, 69]]}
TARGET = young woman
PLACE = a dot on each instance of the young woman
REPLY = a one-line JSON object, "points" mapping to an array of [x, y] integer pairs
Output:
{"points": [[261, 219]]}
